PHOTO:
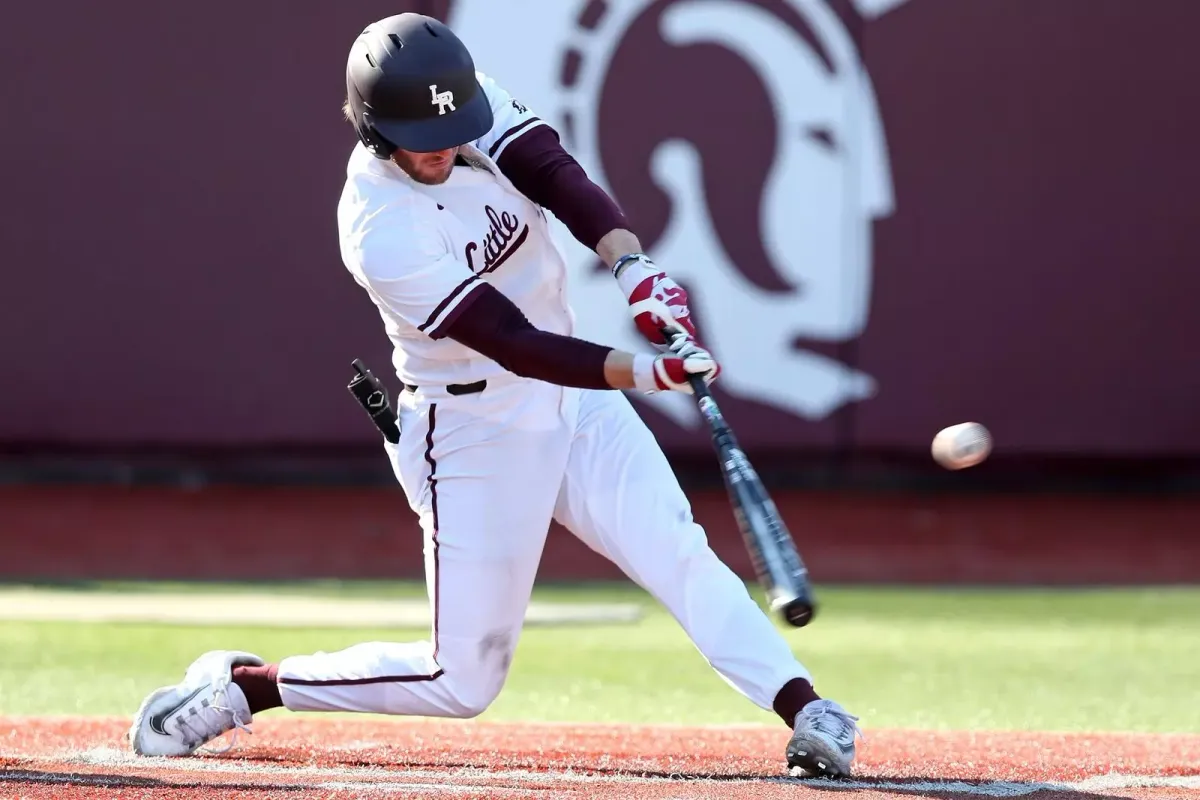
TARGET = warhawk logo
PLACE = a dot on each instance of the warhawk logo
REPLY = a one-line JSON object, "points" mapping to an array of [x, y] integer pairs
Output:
{"points": [[744, 140]]}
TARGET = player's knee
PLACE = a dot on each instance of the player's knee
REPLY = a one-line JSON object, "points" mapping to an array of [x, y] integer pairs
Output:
{"points": [[689, 543], [472, 704], [479, 674], [475, 694]]}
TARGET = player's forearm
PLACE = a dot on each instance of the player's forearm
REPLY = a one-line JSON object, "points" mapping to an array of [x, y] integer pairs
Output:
{"points": [[493, 326], [619, 370], [567, 361], [616, 243]]}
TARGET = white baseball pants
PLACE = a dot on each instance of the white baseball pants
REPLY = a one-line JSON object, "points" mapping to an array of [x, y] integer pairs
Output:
{"points": [[486, 473]]}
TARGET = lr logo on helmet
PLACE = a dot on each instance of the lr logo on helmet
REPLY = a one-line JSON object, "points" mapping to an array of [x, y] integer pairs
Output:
{"points": [[442, 100]]}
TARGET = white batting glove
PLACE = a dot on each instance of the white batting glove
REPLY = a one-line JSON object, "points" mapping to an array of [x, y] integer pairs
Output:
{"points": [[653, 299]]}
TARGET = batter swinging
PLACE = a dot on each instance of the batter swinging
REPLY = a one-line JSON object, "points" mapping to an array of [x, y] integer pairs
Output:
{"points": [[508, 420]]}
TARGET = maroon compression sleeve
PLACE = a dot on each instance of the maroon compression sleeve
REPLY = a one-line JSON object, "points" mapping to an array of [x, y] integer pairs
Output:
{"points": [[493, 326], [543, 171]]}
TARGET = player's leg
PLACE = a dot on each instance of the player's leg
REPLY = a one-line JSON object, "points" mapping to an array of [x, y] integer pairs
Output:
{"points": [[481, 557], [621, 498], [485, 489], [483, 476]]}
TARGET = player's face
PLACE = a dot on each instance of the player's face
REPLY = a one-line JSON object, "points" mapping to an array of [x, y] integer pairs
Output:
{"points": [[428, 168]]}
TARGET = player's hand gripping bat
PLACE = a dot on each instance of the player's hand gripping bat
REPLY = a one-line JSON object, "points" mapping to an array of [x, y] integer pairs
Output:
{"points": [[777, 563], [372, 396]]}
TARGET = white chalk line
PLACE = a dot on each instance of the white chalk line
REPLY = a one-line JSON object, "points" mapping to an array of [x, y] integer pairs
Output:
{"points": [[1098, 783], [36, 604], [125, 782], [386, 781]]}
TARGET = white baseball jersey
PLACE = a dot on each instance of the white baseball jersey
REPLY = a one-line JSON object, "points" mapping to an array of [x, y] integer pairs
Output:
{"points": [[486, 472], [420, 251]]}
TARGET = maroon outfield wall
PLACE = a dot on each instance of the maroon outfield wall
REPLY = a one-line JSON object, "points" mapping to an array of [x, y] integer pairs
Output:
{"points": [[172, 171]]}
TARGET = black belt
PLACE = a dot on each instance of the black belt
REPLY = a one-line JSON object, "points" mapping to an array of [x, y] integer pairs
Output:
{"points": [[456, 388]]}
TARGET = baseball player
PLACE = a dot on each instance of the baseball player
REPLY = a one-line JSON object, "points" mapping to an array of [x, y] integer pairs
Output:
{"points": [[508, 421]]}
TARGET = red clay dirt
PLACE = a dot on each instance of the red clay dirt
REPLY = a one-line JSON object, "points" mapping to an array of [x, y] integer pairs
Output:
{"points": [[307, 757]]}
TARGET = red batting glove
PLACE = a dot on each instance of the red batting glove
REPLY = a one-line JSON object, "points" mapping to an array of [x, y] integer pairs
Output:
{"points": [[642, 280], [670, 372]]}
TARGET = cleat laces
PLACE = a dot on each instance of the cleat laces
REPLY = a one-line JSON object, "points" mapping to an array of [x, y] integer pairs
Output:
{"points": [[834, 721], [209, 721]]}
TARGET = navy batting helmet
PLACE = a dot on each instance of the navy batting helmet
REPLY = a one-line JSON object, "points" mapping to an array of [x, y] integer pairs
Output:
{"points": [[411, 85]]}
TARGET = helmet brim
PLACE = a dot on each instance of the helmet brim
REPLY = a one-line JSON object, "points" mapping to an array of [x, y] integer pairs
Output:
{"points": [[467, 123]]}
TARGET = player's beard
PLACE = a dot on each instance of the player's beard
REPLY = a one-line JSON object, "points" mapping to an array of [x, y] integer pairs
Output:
{"points": [[430, 169]]}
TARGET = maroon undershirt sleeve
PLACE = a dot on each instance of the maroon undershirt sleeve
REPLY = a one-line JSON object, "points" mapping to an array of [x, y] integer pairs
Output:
{"points": [[543, 171], [492, 325]]}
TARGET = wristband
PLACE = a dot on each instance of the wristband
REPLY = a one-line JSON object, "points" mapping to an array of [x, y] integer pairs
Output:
{"points": [[624, 260]]}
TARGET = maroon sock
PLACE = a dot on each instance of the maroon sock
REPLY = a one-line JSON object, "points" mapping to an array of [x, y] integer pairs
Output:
{"points": [[259, 685], [795, 695]]}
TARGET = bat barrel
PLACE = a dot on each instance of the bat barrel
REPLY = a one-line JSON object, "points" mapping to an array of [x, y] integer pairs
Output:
{"points": [[776, 561]]}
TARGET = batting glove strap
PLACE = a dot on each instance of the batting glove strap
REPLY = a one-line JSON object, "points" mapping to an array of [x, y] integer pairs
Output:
{"points": [[643, 373]]}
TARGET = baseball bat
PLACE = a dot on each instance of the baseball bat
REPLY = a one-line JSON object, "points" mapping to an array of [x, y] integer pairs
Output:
{"points": [[777, 563]]}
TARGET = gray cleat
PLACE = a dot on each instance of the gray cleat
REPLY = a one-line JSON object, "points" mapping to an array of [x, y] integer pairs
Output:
{"points": [[822, 744]]}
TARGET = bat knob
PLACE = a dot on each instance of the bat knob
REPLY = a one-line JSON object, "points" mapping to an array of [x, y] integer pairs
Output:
{"points": [[798, 613]]}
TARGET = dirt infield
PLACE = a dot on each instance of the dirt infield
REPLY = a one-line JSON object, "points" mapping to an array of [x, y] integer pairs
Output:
{"points": [[301, 758]]}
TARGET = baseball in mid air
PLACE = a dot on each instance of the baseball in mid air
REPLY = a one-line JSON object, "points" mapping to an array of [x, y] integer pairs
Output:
{"points": [[963, 445]]}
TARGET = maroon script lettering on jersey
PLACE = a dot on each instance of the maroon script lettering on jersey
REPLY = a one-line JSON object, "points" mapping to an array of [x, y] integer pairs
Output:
{"points": [[499, 243]]}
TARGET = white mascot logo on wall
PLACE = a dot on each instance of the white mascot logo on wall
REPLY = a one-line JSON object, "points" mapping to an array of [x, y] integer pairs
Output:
{"points": [[744, 140]]}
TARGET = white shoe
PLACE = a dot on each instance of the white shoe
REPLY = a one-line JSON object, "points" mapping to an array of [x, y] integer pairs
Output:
{"points": [[178, 720], [823, 740]]}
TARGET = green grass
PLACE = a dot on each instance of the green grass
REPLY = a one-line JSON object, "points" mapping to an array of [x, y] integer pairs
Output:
{"points": [[1050, 660]]}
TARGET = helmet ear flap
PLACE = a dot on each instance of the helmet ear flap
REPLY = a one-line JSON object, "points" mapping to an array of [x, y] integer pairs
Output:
{"points": [[379, 147]]}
